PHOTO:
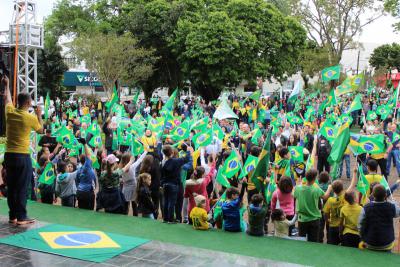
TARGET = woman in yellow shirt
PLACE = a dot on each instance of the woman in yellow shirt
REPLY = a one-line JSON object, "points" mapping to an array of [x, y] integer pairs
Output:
{"points": [[349, 215], [149, 141]]}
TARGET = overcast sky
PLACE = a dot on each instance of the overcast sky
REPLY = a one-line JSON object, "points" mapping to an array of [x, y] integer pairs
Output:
{"points": [[379, 32]]}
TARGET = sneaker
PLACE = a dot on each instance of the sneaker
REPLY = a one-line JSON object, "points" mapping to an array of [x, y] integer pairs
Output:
{"points": [[12, 221], [26, 221]]}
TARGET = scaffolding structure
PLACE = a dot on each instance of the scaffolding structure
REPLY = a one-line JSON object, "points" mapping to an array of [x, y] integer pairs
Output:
{"points": [[26, 37]]}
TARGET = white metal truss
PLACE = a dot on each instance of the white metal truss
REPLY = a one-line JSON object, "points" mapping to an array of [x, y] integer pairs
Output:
{"points": [[29, 33]]}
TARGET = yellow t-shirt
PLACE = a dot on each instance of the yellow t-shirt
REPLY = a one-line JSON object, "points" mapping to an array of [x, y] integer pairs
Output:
{"points": [[19, 124], [350, 215], [371, 178], [378, 156], [85, 110], [199, 218], [332, 207], [149, 143]]}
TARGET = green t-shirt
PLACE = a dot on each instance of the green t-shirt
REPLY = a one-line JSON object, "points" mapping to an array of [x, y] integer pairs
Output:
{"points": [[307, 198]]}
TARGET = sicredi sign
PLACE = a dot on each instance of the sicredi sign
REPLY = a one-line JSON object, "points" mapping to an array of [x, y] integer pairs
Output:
{"points": [[73, 78]]}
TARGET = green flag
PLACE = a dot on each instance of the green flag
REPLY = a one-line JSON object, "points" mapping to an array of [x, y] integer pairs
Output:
{"points": [[371, 144], [295, 92], [201, 124], [295, 120], [384, 183], [86, 119], [66, 138], [137, 147], [249, 166], [113, 100], [136, 97], [232, 165], [221, 179], [344, 88], [255, 95], [256, 135], [271, 189], [327, 130], [203, 138], [47, 106], [169, 105], [331, 98], [362, 184], [296, 153], [357, 81], [217, 131], [331, 73], [338, 148], [371, 115], [96, 141], [356, 104], [383, 111], [263, 163], [48, 176]]}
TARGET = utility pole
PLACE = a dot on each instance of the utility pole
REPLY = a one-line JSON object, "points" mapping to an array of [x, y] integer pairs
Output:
{"points": [[358, 60]]}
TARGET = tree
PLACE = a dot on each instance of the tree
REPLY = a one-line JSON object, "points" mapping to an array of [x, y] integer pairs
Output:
{"points": [[51, 68], [393, 7], [114, 58], [334, 24], [386, 57], [243, 40], [312, 60]]}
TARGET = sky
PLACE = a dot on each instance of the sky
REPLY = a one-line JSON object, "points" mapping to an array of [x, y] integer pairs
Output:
{"points": [[379, 32]]}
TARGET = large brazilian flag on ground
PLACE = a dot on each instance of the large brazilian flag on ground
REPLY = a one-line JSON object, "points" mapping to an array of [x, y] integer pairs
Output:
{"points": [[73, 242]]}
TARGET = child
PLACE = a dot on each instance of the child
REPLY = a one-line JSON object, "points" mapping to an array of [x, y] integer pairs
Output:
{"points": [[372, 177], [349, 215], [376, 222], [144, 201], [66, 185], [257, 212], [231, 208], [308, 197], [198, 214], [281, 223], [332, 211], [323, 183], [283, 199]]}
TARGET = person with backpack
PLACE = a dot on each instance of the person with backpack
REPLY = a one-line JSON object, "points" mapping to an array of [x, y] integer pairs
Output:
{"points": [[323, 151], [86, 181]]}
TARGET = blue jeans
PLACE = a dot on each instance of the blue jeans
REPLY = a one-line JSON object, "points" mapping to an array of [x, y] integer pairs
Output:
{"points": [[19, 173], [170, 197], [346, 158], [393, 155]]}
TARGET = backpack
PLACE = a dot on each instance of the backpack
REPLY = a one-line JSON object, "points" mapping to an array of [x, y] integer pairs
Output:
{"points": [[324, 148]]}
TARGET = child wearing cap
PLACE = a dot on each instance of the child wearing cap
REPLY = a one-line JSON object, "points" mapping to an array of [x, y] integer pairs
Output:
{"points": [[110, 196], [198, 215]]}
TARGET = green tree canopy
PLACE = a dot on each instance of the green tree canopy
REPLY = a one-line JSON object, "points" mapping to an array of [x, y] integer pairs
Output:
{"points": [[386, 57]]}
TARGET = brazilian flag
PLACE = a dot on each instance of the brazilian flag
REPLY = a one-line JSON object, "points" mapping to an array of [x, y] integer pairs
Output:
{"points": [[357, 81], [221, 179], [331, 98], [295, 120], [371, 144], [93, 158], [137, 147], [203, 138], [155, 124], [344, 88], [137, 128], [249, 166], [232, 165], [362, 184], [296, 153], [345, 118], [339, 146], [331, 73], [93, 128], [201, 124], [255, 95], [113, 100], [66, 138], [256, 135], [169, 105], [371, 115], [96, 141], [86, 119], [47, 106], [217, 131], [263, 163], [48, 176], [383, 111], [270, 189], [356, 104], [181, 132]]}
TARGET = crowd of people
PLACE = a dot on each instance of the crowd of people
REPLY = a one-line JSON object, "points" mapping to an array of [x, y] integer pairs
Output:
{"points": [[176, 162]]}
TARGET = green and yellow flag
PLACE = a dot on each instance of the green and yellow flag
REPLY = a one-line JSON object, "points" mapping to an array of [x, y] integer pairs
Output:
{"points": [[47, 106], [344, 88], [221, 179], [338, 148], [255, 95], [356, 104], [371, 115], [48, 176], [362, 184], [296, 153], [114, 99], [249, 166], [232, 165], [371, 144], [203, 138], [331, 99], [262, 167], [357, 81], [180, 132], [383, 111], [66, 137], [331, 73]]}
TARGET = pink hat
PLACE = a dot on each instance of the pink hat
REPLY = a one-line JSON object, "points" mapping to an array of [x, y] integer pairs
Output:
{"points": [[112, 159]]}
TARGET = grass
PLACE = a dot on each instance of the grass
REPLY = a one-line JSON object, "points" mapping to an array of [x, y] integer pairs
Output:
{"points": [[239, 243]]}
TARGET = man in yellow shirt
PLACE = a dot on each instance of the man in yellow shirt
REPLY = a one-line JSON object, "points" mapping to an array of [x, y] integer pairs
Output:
{"points": [[149, 141], [17, 159]]}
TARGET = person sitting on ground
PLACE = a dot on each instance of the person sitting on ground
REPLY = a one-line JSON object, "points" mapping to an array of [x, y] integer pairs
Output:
{"points": [[281, 223], [257, 211], [198, 215], [349, 214], [376, 222], [65, 184]]}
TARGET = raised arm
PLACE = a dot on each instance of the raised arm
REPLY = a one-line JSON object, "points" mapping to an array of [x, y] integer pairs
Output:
{"points": [[6, 82]]}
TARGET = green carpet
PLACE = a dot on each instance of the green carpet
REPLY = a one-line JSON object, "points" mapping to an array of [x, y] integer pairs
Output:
{"points": [[238, 243], [74, 242]]}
